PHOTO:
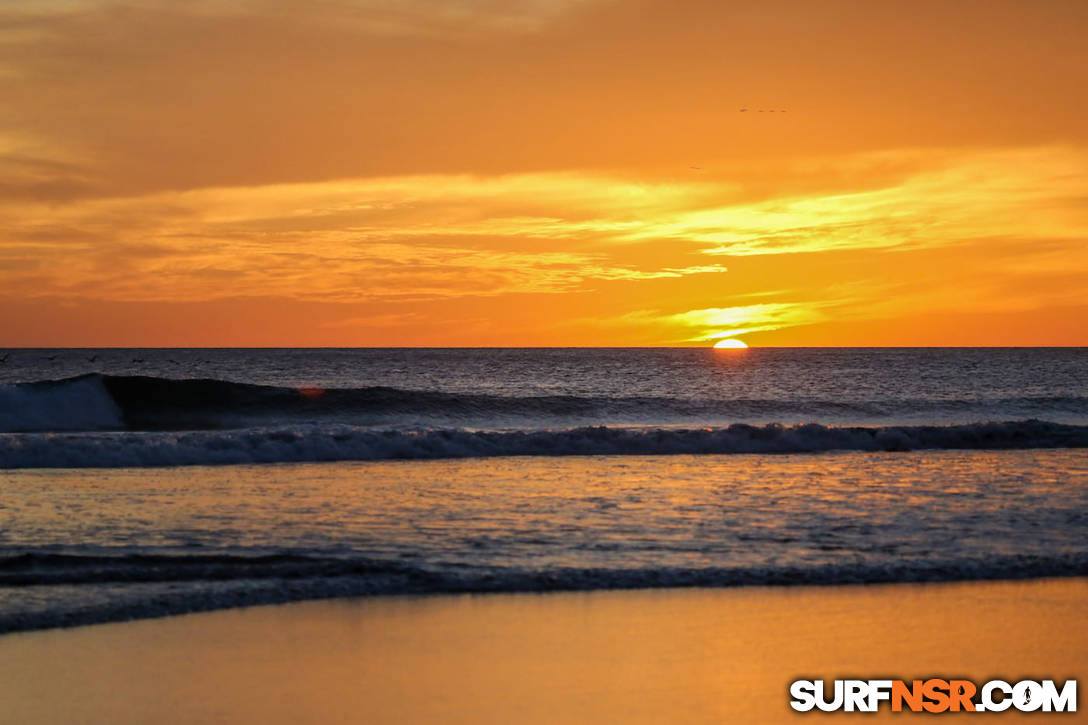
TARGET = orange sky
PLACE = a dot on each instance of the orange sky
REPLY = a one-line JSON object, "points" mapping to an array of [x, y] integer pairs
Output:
{"points": [[546, 172]]}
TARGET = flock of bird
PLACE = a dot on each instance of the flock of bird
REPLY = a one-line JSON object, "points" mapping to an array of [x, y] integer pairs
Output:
{"points": [[764, 110], [91, 359]]}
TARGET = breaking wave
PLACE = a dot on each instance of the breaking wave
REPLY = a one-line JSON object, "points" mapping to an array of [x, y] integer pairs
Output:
{"points": [[97, 402], [141, 586], [347, 443]]}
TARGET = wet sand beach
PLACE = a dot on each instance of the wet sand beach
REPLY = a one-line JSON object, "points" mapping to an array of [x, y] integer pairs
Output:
{"points": [[672, 655]]}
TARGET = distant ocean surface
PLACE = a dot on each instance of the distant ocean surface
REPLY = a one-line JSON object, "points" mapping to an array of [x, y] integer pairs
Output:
{"points": [[418, 470]]}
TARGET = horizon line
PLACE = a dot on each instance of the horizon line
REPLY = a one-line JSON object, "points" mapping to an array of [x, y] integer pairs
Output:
{"points": [[550, 347]]}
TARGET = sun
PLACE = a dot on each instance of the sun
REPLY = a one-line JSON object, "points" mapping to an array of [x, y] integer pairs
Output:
{"points": [[730, 344]]}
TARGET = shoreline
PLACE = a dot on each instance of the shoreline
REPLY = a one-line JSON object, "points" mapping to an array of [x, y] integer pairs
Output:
{"points": [[686, 655], [186, 604]]}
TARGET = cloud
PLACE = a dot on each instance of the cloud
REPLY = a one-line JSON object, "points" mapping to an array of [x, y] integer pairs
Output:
{"points": [[395, 17], [719, 322], [34, 170], [714, 323], [1021, 193], [211, 93], [404, 238], [437, 236]]}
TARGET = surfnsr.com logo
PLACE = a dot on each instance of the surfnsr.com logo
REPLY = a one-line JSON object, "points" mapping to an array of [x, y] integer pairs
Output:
{"points": [[933, 695]]}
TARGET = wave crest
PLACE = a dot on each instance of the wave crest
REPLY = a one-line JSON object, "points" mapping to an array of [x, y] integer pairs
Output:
{"points": [[346, 443], [143, 403]]}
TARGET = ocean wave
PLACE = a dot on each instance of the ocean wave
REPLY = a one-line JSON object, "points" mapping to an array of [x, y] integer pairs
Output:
{"points": [[81, 403], [97, 402], [38, 568], [143, 586], [346, 443]]}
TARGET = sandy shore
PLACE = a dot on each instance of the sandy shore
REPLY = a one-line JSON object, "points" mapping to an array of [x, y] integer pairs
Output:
{"points": [[631, 656]]}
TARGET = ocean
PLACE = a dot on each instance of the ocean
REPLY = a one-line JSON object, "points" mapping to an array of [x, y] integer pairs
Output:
{"points": [[137, 483]]}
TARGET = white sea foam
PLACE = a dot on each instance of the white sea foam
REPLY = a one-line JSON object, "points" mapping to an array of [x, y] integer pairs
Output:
{"points": [[75, 404], [346, 443]]}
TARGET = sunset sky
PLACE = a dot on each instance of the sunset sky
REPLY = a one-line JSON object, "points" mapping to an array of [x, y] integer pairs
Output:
{"points": [[545, 172]]}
